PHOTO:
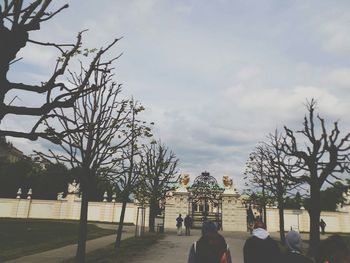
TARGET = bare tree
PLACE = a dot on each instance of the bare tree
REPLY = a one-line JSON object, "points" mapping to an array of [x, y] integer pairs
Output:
{"points": [[320, 158], [256, 173], [92, 136], [270, 169], [17, 20], [158, 175], [126, 173], [278, 179]]}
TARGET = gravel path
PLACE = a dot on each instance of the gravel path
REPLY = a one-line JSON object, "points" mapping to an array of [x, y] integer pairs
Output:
{"points": [[171, 249], [175, 249]]}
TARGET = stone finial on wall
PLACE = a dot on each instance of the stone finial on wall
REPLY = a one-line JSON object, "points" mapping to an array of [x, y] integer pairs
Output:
{"points": [[19, 193], [60, 196], [105, 196], [29, 194], [114, 197], [340, 207]]}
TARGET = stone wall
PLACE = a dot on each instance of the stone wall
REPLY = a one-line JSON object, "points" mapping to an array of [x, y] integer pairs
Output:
{"points": [[337, 222], [233, 212], [67, 209]]}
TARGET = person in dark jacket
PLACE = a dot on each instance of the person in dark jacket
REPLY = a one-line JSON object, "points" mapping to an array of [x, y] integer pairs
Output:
{"points": [[323, 226], [179, 221], [188, 224], [294, 244], [210, 248], [260, 247]]}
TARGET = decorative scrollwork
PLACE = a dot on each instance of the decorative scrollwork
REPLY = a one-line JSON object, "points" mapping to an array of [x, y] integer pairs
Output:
{"points": [[205, 187]]}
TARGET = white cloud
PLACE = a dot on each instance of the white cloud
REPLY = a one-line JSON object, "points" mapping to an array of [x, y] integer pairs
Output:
{"points": [[336, 37], [341, 77], [36, 55], [249, 73], [184, 9]]}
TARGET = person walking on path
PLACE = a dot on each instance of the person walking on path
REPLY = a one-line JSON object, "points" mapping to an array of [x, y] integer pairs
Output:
{"points": [[250, 219], [294, 254], [179, 221], [210, 248], [261, 247], [323, 226], [188, 225]]}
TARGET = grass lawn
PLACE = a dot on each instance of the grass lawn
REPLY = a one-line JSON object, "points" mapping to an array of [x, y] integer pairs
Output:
{"points": [[347, 239], [129, 248], [24, 237]]}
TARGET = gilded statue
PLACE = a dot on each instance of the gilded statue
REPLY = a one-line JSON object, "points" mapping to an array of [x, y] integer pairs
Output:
{"points": [[184, 180], [227, 181]]}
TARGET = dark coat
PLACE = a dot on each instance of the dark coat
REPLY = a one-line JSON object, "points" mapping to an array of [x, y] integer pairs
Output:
{"points": [[188, 221], [179, 221], [209, 249], [258, 250]]}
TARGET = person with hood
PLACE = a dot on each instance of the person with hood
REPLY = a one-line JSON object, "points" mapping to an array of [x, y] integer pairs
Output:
{"points": [[294, 255], [260, 247], [210, 248]]}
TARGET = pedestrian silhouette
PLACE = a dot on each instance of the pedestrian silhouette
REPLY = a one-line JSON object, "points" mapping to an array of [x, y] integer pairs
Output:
{"points": [[323, 226], [179, 221], [188, 225], [260, 247], [210, 248], [294, 254]]}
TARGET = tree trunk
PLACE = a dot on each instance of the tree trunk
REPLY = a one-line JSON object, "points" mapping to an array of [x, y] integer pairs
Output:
{"points": [[120, 227], [315, 213], [281, 216], [80, 255], [11, 42], [152, 215]]}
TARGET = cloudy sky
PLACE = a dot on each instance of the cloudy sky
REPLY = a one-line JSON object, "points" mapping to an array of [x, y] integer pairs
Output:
{"points": [[215, 76]]}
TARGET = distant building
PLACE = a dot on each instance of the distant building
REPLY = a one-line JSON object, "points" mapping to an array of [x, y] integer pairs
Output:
{"points": [[9, 152]]}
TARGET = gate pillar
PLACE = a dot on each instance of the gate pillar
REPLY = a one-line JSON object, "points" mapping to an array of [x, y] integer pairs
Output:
{"points": [[175, 204], [233, 212]]}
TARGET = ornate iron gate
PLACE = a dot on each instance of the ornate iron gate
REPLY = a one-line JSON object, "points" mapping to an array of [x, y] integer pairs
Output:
{"points": [[205, 197]]}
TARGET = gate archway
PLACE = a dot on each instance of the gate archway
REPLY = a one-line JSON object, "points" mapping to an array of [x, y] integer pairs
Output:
{"points": [[205, 197]]}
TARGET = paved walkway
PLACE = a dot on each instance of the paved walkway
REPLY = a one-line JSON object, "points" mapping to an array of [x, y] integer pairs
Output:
{"points": [[63, 253], [171, 249], [175, 249]]}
